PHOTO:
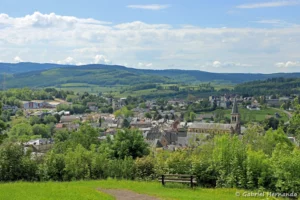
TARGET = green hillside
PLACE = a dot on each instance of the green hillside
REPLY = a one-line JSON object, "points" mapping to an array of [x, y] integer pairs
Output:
{"points": [[12, 68], [41, 75], [281, 86], [88, 75]]}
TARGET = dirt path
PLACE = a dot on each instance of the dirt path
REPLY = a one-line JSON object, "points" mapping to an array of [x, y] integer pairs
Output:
{"points": [[126, 194]]}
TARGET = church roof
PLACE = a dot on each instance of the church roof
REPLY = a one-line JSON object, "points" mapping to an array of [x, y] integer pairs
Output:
{"points": [[212, 126], [235, 107]]}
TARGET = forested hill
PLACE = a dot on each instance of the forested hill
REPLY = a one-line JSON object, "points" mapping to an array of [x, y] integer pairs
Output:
{"points": [[102, 75], [281, 86], [12, 68], [41, 75]]}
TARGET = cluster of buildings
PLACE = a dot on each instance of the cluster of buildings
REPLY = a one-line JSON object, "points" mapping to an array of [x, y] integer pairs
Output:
{"points": [[222, 101], [173, 134], [39, 104], [116, 103], [277, 102], [170, 132]]}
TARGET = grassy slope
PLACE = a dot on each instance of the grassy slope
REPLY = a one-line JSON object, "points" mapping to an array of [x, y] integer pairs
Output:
{"points": [[88, 190], [259, 115]]}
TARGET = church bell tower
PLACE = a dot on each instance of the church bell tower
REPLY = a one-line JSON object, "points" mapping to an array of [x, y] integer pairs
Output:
{"points": [[236, 118]]}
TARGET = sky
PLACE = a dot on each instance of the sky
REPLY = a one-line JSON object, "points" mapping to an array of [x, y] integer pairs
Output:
{"points": [[258, 36]]}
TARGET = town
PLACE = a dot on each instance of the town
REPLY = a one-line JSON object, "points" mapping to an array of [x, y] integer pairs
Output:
{"points": [[169, 124]]}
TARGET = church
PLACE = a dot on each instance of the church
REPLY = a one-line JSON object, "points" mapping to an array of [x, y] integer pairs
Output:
{"points": [[216, 128]]}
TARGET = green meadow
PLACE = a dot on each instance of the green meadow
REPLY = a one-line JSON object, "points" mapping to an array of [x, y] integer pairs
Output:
{"points": [[259, 115], [88, 190], [256, 115]]}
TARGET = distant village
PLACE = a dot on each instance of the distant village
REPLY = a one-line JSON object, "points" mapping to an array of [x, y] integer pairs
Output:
{"points": [[168, 130]]}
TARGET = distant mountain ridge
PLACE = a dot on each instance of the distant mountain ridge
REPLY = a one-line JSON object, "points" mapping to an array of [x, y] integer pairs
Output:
{"points": [[12, 68], [46, 75]]}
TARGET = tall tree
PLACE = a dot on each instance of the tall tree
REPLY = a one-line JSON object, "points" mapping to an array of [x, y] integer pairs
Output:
{"points": [[129, 142]]}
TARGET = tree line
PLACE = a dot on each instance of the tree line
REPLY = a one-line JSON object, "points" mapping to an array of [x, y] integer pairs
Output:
{"points": [[260, 160]]}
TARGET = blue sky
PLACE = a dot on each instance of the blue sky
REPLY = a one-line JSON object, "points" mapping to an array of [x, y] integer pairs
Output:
{"points": [[219, 36]]}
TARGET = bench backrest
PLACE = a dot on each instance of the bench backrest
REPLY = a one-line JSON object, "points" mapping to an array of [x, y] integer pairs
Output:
{"points": [[178, 178]]}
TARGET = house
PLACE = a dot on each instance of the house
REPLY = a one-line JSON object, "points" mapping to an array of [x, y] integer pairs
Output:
{"points": [[169, 137], [123, 101], [72, 127], [36, 104], [14, 109], [112, 125], [68, 126], [118, 104], [39, 146], [38, 142], [273, 102], [70, 118], [153, 133], [59, 126], [92, 106], [224, 104], [253, 107], [137, 123]]}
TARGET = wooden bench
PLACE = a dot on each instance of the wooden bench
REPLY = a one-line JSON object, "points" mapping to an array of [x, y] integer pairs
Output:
{"points": [[178, 178]]}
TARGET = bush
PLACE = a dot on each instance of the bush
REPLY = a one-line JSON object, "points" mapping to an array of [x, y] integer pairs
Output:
{"points": [[144, 168]]}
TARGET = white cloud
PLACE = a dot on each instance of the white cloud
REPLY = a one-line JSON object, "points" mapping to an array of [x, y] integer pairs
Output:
{"points": [[101, 59], [149, 6], [288, 64], [270, 21], [216, 64], [39, 20], [269, 4], [160, 44], [18, 59], [144, 65], [137, 25], [276, 22], [67, 61]]}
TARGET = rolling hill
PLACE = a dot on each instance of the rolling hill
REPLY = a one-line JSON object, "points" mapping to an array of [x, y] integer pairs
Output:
{"points": [[12, 68], [45, 75], [272, 86]]}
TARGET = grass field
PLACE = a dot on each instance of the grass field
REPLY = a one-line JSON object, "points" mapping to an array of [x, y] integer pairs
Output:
{"points": [[258, 115], [87, 190]]}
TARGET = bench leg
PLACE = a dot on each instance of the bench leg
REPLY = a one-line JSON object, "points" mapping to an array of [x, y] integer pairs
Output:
{"points": [[163, 180], [192, 181]]}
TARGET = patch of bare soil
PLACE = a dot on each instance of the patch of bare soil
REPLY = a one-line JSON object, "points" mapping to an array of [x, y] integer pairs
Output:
{"points": [[127, 195]]}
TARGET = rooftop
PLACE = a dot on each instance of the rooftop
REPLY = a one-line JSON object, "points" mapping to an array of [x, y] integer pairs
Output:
{"points": [[211, 126]]}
